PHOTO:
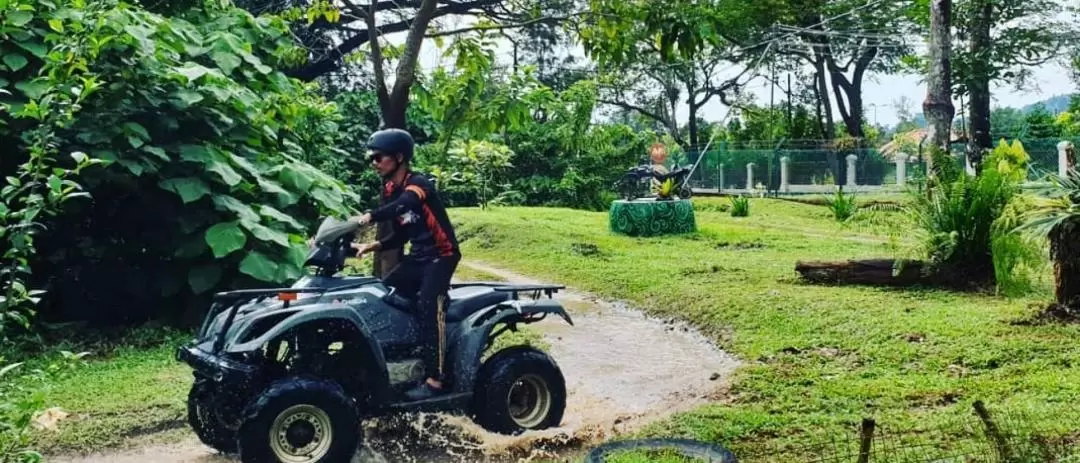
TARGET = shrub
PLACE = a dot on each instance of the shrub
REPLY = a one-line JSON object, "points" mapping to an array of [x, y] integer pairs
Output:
{"points": [[740, 206], [842, 206], [204, 183], [960, 219]]}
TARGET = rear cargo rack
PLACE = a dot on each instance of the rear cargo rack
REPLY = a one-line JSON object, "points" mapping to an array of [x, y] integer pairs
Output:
{"points": [[536, 290]]}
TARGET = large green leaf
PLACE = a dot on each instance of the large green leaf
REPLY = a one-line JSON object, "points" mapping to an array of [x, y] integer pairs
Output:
{"points": [[195, 153], [33, 89], [204, 277], [227, 173], [225, 237], [137, 134], [267, 211], [187, 97], [243, 211], [287, 271], [34, 46], [189, 188], [19, 18], [260, 267], [15, 61], [213, 161], [297, 254], [265, 233], [225, 60], [331, 199], [295, 178]]}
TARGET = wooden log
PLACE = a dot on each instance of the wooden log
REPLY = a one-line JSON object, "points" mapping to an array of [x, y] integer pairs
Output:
{"points": [[878, 272]]}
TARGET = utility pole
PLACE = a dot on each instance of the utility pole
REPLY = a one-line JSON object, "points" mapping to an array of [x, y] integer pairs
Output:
{"points": [[938, 106]]}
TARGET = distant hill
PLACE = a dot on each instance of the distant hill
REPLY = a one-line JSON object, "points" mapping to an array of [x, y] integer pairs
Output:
{"points": [[1056, 104]]}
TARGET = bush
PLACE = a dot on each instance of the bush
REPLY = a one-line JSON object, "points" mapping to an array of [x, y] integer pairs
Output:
{"points": [[740, 206], [960, 220], [842, 206], [204, 183]]}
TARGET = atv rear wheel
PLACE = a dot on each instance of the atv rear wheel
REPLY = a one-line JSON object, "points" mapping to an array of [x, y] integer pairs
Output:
{"points": [[685, 192], [205, 418], [518, 389], [300, 420]]}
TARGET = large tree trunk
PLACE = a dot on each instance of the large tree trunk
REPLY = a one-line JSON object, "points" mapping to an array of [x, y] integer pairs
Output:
{"points": [[1065, 252], [824, 105], [852, 113], [978, 84], [938, 106], [394, 104]]}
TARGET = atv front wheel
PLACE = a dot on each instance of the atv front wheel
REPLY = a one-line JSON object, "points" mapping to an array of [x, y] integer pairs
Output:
{"points": [[205, 418], [518, 389], [686, 192], [300, 420]]}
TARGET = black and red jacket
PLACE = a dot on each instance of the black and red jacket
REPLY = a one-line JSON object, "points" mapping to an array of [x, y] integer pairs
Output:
{"points": [[419, 217]]}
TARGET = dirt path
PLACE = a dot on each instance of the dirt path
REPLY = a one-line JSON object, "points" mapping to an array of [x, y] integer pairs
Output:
{"points": [[623, 370]]}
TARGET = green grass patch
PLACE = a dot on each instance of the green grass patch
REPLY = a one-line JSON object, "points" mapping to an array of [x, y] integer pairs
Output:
{"points": [[130, 386], [818, 359]]}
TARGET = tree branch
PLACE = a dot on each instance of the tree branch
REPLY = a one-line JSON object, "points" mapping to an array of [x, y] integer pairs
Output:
{"points": [[333, 59], [639, 109], [507, 26], [377, 59]]}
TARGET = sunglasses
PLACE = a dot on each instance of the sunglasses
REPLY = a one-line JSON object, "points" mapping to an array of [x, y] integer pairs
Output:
{"points": [[376, 156]]}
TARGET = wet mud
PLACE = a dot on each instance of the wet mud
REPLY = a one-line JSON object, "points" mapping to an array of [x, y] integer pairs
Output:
{"points": [[623, 371]]}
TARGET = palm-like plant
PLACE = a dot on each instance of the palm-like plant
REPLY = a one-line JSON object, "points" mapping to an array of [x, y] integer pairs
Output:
{"points": [[1056, 216]]}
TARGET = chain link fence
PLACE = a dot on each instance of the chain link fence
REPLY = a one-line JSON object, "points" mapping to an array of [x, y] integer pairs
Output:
{"points": [[983, 436], [740, 166]]}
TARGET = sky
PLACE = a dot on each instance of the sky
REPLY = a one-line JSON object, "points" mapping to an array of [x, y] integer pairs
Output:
{"points": [[880, 92]]}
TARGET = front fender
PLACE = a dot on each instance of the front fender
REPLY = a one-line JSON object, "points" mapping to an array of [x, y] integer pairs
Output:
{"points": [[477, 328], [322, 312]]}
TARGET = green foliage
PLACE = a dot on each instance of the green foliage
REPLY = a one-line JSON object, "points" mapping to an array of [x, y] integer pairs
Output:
{"points": [[204, 182], [22, 398], [559, 157], [41, 183], [474, 166], [842, 206], [740, 206], [961, 222]]}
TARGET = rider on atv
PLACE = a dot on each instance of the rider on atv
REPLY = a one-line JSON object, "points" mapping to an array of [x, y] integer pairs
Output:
{"points": [[420, 218]]}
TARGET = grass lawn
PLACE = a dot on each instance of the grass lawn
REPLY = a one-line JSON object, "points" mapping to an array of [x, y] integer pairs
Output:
{"points": [[817, 359]]}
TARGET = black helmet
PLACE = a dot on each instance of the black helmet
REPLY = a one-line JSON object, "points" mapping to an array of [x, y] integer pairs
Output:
{"points": [[392, 141]]}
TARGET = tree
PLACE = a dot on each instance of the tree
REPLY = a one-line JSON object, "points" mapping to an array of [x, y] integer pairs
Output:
{"points": [[1005, 41], [1057, 217], [938, 105], [654, 89]]}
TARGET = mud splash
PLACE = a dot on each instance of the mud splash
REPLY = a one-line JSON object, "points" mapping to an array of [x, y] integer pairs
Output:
{"points": [[623, 371]]}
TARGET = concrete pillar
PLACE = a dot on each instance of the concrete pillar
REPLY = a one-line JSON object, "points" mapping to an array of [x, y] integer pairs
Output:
{"points": [[720, 177], [785, 162], [1065, 157], [749, 176], [901, 169], [851, 158]]}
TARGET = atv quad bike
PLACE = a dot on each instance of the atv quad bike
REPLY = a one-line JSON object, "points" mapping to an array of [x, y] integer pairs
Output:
{"points": [[286, 374]]}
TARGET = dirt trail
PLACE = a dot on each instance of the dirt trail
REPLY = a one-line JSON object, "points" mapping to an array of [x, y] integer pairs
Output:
{"points": [[623, 370]]}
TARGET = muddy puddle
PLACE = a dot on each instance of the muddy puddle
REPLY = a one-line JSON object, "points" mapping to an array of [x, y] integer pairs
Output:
{"points": [[623, 370]]}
